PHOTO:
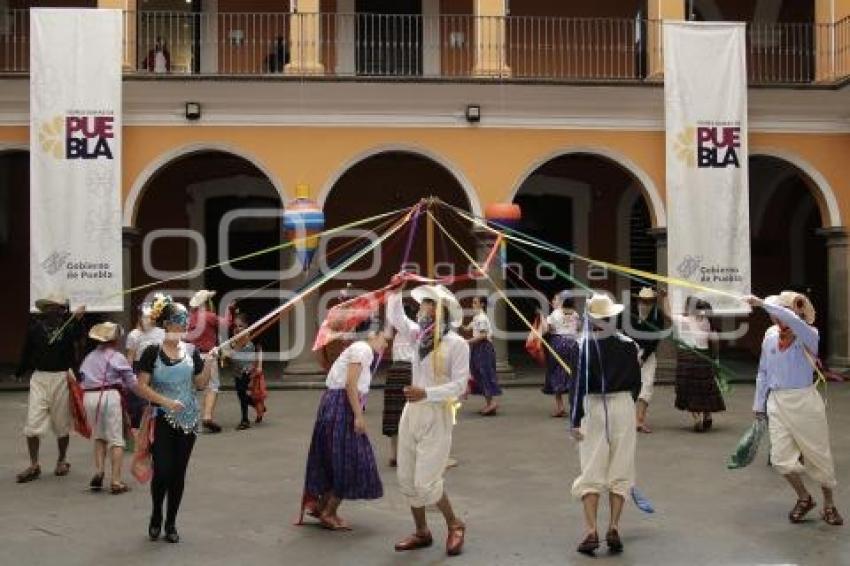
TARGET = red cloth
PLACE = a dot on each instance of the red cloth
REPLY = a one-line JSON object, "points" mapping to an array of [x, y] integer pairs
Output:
{"points": [[204, 327], [142, 466], [78, 411], [534, 344]]}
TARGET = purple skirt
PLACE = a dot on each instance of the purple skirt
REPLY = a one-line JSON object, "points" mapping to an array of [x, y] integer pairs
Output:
{"points": [[340, 460], [482, 365], [557, 379]]}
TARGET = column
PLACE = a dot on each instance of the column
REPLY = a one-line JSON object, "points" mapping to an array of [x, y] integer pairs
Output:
{"points": [[431, 38], [304, 323], [666, 352], [497, 306], [305, 37], [346, 37], [842, 39], [658, 11], [838, 345], [129, 23], [209, 37], [490, 44], [129, 240]]}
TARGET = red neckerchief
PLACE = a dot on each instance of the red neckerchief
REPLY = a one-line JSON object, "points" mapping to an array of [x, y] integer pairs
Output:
{"points": [[786, 338]]}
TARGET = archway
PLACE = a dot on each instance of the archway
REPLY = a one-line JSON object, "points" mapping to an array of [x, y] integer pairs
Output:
{"points": [[788, 249], [590, 204], [199, 209], [14, 248]]}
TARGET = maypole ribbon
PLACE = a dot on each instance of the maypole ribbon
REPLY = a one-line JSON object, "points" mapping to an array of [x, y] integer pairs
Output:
{"points": [[504, 297], [265, 322]]}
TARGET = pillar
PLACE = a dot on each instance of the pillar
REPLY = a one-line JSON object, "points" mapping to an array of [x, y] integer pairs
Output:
{"points": [[305, 39], [496, 306], [129, 24], [303, 326], [431, 38], [130, 238], [490, 43], [838, 346], [346, 37], [209, 37], [657, 12]]}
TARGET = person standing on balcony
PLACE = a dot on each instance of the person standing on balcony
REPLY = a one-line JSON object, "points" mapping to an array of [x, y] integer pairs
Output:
{"points": [[607, 381], [203, 332], [440, 371], [646, 324], [561, 330], [787, 397], [158, 59], [482, 357], [49, 353]]}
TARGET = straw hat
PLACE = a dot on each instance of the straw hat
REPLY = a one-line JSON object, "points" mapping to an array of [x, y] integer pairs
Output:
{"points": [[797, 302], [200, 298], [647, 294], [51, 300], [105, 332], [602, 306], [438, 293]]}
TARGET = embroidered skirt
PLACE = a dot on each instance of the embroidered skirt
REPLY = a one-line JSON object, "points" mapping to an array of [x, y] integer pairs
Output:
{"points": [[557, 379], [696, 387], [340, 460], [398, 377], [482, 365]]}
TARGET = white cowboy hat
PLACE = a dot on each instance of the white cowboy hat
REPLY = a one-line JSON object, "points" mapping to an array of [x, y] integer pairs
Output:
{"points": [[602, 306], [647, 294], [51, 300], [105, 332], [438, 293], [797, 302], [200, 298]]}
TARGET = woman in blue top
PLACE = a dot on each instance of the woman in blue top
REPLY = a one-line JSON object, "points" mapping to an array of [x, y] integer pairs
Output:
{"points": [[169, 375], [786, 394]]}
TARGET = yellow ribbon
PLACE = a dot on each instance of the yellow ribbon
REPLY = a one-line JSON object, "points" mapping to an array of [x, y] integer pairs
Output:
{"points": [[452, 404]]}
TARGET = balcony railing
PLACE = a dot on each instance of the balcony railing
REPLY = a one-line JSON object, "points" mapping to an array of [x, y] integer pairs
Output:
{"points": [[459, 47]]}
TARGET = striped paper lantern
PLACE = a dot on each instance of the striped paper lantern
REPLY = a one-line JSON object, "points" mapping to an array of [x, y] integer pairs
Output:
{"points": [[303, 219]]}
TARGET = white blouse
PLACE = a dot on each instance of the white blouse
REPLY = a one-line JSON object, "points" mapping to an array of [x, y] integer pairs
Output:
{"points": [[560, 322], [139, 340], [481, 326], [358, 353], [693, 331]]}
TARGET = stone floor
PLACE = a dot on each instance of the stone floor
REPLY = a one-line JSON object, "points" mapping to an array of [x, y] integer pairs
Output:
{"points": [[512, 488]]}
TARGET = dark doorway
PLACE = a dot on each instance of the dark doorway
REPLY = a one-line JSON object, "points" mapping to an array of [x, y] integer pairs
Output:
{"points": [[389, 37]]}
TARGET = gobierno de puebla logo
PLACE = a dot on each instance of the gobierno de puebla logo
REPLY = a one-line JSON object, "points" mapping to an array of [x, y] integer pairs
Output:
{"points": [[710, 145], [78, 135]]}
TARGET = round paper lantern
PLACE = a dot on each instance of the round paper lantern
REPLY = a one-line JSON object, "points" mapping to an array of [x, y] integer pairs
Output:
{"points": [[302, 221], [505, 214]]}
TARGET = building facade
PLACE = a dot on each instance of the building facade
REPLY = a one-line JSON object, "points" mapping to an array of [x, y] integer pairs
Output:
{"points": [[367, 103]]}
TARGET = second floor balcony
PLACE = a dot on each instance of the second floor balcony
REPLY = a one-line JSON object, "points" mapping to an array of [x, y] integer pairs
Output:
{"points": [[363, 46]]}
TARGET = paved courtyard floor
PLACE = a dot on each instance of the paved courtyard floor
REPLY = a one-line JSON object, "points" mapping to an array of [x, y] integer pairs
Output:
{"points": [[512, 488]]}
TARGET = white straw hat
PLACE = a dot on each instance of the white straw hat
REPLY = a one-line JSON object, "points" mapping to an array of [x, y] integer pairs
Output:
{"points": [[105, 332], [647, 294], [51, 300], [438, 293], [201, 298], [602, 306], [797, 302]]}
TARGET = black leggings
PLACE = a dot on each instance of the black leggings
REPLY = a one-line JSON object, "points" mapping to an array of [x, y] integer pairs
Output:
{"points": [[171, 450], [242, 382]]}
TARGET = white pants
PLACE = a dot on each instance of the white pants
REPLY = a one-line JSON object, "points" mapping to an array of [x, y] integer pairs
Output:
{"points": [[106, 424], [797, 425], [607, 465], [215, 377], [424, 443], [647, 378], [49, 404]]}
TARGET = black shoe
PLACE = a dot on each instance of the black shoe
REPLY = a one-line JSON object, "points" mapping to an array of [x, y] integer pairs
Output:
{"points": [[154, 528], [212, 427], [96, 483], [244, 424], [171, 534], [589, 544], [615, 545]]}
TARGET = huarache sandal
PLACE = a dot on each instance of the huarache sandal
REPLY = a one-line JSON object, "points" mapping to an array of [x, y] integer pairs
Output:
{"points": [[612, 539], [559, 414], [831, 516], [414, 542], [589, 544], [30, 474], [118, 488], [644, 428], [801, 509], [334, 524], [96, 483], [62, 469]]}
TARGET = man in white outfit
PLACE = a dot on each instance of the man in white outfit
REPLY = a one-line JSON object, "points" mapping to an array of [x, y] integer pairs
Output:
{"points": [[440, 371]]}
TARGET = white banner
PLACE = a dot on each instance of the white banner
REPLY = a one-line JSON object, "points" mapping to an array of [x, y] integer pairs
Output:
{"points": [[75, 156], [705, 99]]}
